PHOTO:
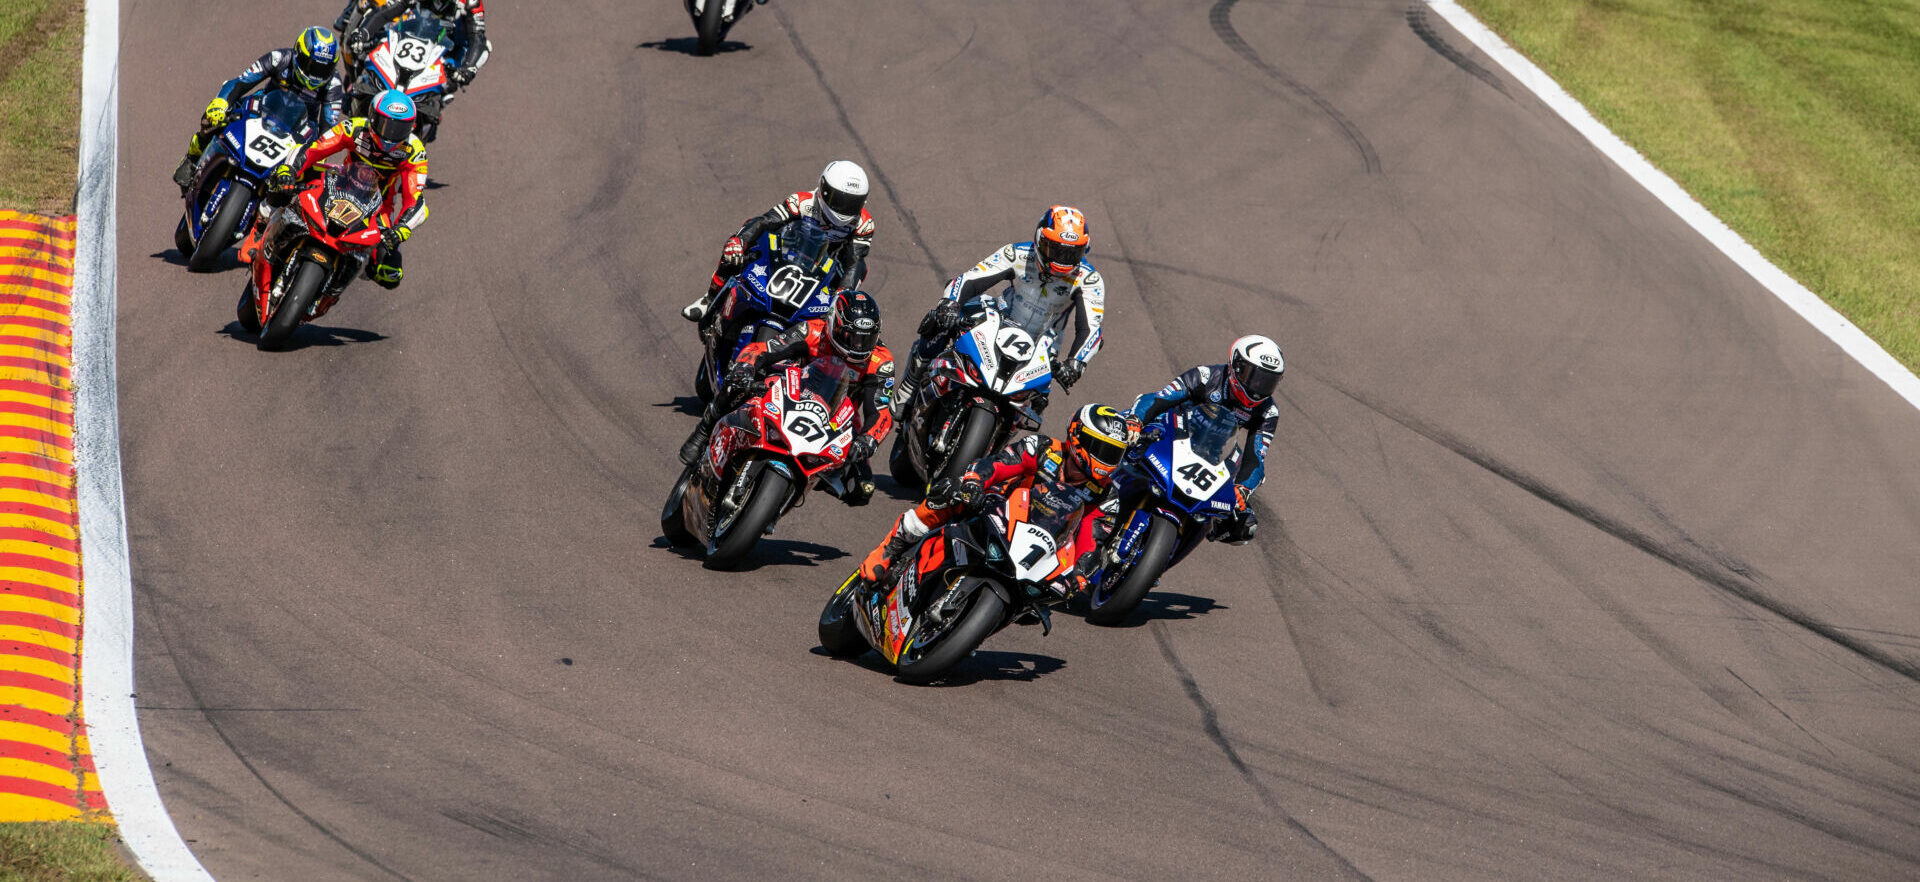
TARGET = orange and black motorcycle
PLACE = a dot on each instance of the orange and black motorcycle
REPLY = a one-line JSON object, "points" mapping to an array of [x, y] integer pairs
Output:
{"points": [[958, 586]]}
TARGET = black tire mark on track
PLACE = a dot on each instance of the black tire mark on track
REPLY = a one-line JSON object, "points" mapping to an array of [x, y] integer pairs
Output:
{"points": [[207, 713], [1221, 17], [1731, 577], [866, 153], [1423, 27], [1210, 721]]}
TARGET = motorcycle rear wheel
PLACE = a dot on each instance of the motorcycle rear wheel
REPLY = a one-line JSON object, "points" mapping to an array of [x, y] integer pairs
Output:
{"points": [[983, 615], [248, 311], [736, 540], [294, 305], [976, 436], [838, 634], [673, 524], [219, 233], [1156, 549]]}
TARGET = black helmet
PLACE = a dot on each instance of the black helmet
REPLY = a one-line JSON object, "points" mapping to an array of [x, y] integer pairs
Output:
{"points": [[442, 8], [1097, 439], [854, 325]]}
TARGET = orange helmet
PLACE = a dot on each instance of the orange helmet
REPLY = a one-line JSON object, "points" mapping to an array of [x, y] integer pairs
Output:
{"points": [[1061, 240]]}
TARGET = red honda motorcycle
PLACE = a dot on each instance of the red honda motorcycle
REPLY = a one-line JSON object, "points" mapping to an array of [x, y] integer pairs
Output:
{"points": [[309, 253], [762, 459]]}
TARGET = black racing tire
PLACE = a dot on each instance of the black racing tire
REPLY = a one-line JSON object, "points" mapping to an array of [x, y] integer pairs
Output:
{"points": [[900, 464], [730, 548], [219, 234], [839, 636], [703, 379], [294, 306], [710, 27], [673, 524], [183, 238], [1115, 606], [247, 312], [976, 437], [984, 615]]}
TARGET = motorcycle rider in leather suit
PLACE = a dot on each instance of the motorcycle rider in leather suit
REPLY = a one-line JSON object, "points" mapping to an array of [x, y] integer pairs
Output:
{"points": [[1244, 386], [1046, 280], [306, 69], [850, 336], [1070, 474], [836, 205]]}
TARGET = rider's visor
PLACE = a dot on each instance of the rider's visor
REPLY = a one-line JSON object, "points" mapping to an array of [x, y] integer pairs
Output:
{"points": [[314, 69], [856, 339], [1061, 259], [1101, 449], [388, 130], [1257, 382], [843, 209]]}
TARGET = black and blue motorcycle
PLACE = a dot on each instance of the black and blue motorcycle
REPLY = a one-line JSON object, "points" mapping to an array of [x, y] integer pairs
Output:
{"points": [[223, 203], [787, 279], [1181, 489]]}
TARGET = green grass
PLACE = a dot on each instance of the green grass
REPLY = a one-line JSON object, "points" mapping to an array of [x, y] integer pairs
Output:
{"points": [[40, 44], [1795, 121], [61, 852]]}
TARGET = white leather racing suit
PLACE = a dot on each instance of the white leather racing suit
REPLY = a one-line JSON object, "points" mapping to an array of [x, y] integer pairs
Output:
{"points": [[1041, 307]]}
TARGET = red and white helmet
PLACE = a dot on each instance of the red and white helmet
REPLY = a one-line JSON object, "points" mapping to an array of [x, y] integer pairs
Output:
{"points": [[1254, 369], [840, 195]]}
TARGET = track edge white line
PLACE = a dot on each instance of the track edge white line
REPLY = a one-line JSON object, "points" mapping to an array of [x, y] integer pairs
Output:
{"points": [[106, 646], [1796, 296]]}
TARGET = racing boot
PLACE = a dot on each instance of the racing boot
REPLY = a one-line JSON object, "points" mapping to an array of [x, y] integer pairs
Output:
{"points": [[250, 246], [697, 310], [880, 559], [696, 443], [859, 484], [908, 386]]}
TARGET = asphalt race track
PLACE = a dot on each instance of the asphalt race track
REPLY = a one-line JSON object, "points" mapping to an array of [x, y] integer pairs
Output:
{"points": [[1582, 556]]}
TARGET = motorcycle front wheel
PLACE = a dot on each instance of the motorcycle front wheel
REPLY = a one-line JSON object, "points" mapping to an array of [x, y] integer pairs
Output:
{"points": [[838, 634], [1111, 607], [737, 537], [294, 305], [924, 663], [219, 234], [673, 523], [709, 26]]}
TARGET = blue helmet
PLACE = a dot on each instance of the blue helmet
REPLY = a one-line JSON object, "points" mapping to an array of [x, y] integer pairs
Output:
{"points": [[313, 57], [390, 119]]}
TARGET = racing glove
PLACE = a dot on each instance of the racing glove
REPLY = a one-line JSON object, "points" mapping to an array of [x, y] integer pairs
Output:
{"points": [[942, 319], [963, 491], [391, 237], [284, 180], [1067, 372], [863, 448], [462, 77], [733, 255], [739, 382], [216, 113], [359, 43]]}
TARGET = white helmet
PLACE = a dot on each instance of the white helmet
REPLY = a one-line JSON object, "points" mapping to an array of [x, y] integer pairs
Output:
{"points": [[1254, 369], [841, 194]]}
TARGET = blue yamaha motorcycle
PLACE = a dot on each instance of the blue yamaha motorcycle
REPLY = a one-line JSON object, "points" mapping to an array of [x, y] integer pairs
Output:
{"points": [[267, 129], [786, 280], [1183, 489]]}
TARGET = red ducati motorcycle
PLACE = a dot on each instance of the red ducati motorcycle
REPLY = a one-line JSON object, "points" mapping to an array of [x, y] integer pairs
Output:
{"points": [[761, 461], [309, 253]]}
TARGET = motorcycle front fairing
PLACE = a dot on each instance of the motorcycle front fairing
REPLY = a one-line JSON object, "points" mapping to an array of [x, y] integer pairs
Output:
{"points": [[777, 289], [1187, 483]]}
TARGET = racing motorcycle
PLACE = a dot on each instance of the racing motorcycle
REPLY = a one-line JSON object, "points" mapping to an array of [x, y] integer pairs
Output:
{"points": [[761, 461], [712, 19], [1184, 486], [991, 381], [309, 253], [411, 58], [224, 200], [786, 280], [955, 588]]}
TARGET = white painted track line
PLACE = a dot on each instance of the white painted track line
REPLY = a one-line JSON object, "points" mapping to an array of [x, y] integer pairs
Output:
{"points": [[106, 647], [1795, 295]]}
